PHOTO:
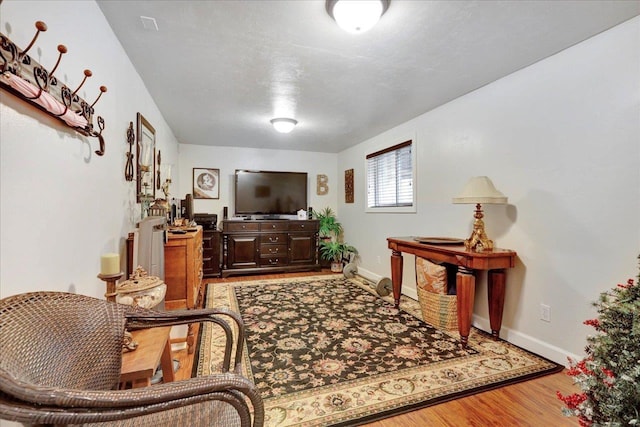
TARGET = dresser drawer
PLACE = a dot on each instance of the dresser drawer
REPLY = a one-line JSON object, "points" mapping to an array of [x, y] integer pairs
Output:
{"points": [[241, 226], [274, 226], [274, 238], [303, 226], [272, 260], [267, 249]]}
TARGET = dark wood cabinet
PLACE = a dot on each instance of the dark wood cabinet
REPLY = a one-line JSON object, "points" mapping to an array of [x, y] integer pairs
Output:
{"points": [[264, 246], [303, 242], [243, 251], [211, 253]]}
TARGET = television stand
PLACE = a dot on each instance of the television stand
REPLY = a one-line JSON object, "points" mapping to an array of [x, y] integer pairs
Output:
{"points": [[269, 245]]}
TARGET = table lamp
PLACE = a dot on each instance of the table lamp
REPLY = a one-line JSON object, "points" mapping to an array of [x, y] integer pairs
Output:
{"points": [[479, 190]]}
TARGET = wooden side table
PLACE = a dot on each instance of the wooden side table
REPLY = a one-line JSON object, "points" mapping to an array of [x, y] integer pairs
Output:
{"points": [[495, 263], [138, 366]]}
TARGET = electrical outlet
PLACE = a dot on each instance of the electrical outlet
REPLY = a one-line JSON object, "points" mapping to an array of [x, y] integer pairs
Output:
{"points": [[545, 313]]}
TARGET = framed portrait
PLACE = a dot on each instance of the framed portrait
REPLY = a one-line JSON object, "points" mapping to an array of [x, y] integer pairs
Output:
{"points": [[206, 183]]}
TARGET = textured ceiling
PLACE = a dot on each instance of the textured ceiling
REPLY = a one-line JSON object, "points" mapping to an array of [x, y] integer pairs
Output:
{"points": [[220, 70]]}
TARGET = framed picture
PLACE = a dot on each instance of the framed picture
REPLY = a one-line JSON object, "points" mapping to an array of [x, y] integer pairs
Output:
{"points": [[145, 160], [206, 183]]}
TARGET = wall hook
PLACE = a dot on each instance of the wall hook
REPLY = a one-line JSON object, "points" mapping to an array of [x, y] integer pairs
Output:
{"points": [[27, 79], [128, 169], [62, 49], [100, 152], [40, 27], [87, 74], [158, 173], [103, 89]]}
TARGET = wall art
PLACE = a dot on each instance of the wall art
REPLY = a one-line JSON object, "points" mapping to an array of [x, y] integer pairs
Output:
{"points": [[206, 183], [348, 186]]}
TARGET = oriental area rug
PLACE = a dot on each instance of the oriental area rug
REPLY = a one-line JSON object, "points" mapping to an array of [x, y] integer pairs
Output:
{"points": [[325, 350]]}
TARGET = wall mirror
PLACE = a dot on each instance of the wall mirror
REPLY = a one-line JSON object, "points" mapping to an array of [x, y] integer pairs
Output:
{"points": [[146, 160]]}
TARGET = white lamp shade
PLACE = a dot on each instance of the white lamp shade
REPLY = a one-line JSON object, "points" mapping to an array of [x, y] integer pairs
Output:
{"points": [[284, 125], [480, 189], [356, 16]]}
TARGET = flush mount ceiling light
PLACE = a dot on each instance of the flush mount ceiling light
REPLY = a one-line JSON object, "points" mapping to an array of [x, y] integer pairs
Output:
{"points": [[356, 16], [284, 125]]}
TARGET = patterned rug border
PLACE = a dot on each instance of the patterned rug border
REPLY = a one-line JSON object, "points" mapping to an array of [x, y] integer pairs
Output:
{"points": [[479, 340]]}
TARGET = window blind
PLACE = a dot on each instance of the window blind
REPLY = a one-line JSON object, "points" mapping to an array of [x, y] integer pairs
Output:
{"points": [[390, 177]]}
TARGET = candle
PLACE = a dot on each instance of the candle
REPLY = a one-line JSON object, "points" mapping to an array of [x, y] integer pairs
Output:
{"points": [[110, 264], [168, 172]]}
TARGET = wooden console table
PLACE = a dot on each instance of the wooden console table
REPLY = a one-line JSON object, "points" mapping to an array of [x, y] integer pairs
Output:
{"points": [[468, 263], [154, 347]]}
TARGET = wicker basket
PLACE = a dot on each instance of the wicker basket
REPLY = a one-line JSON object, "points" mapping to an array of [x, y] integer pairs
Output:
{"points": [[439, 310]]}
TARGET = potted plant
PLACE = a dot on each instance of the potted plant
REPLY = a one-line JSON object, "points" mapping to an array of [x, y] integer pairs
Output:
{"points": [[334, 251], [329, 227]]}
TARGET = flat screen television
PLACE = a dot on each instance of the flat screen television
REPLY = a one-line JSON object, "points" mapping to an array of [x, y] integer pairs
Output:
{"points": [[270, 194]]}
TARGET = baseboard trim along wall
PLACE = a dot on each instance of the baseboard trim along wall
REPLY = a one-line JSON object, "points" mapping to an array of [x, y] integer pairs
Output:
{"points": [[528, 342]]}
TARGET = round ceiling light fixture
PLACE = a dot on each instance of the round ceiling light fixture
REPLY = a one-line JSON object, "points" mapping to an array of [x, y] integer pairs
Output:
{"points": [[283, 125], [356, 16]]}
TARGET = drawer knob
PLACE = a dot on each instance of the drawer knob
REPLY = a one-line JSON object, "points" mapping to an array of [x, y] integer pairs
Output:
{"points": [[273, 239], [273, 226]]}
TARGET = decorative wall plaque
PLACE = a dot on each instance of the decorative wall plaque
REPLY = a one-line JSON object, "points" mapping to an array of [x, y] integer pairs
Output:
{"points": [[348, 186], [322, 187]]}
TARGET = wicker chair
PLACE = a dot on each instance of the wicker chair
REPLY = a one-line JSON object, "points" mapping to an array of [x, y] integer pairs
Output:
{"points": [[60, 358]]}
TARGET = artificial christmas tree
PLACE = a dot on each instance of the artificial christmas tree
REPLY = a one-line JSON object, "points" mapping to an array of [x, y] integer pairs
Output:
{"points": [[609, 375]]}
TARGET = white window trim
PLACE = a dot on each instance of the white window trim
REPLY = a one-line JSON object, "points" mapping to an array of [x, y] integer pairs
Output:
{"points": [[414, 167]]}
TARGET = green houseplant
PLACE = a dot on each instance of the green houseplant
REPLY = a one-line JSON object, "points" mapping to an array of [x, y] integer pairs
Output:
{"points": [[334, 251], [329, 227]]}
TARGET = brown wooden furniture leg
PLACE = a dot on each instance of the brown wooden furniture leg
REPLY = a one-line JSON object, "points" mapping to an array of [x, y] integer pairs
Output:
{"points": [[496, 287], [466, 291], [166, 362], [190, 339], [396, 276]]}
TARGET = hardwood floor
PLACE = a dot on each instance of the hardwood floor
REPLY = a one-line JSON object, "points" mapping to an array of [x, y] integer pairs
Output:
{"points": [[530, 403]]}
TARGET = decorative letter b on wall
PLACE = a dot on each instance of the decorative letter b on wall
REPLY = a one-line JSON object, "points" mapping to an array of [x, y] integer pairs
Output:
{"points": [[322, 187]]}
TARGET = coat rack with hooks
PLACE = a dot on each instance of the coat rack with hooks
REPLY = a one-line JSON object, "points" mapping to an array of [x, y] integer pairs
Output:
{"points": [[21, 75]]}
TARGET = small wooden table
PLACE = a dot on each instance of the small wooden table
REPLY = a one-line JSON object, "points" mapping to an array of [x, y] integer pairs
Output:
{"points": [[154, 347], [468, 263]]}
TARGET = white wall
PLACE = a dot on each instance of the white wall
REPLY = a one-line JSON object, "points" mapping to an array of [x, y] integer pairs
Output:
{"points": [[61, 205], [228, 159], [561, 139]]}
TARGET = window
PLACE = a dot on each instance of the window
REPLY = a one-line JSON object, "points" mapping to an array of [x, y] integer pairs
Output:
{"points": [[390, 178]]}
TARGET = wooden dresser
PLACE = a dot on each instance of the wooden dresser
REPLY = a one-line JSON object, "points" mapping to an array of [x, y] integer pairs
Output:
{"points": [[182, 268], [263, 246], [182, 274]]}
